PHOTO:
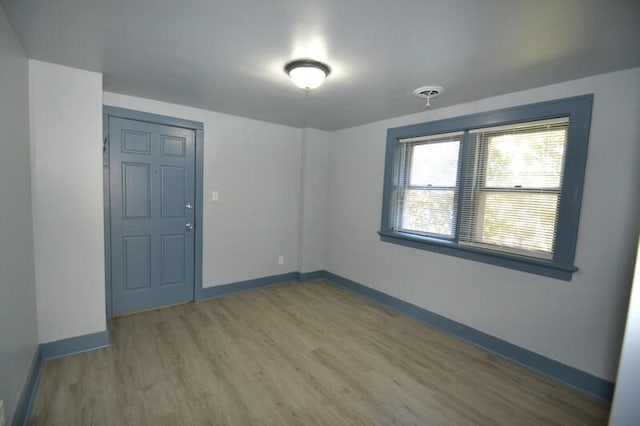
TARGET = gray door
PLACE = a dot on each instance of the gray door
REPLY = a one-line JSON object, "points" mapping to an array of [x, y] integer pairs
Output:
{"points": [[152, 196]]}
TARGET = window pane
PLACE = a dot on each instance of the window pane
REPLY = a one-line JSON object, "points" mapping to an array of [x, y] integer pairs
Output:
{"points": [[428, 211], [519, 220], [527, 160], [434, 164]]}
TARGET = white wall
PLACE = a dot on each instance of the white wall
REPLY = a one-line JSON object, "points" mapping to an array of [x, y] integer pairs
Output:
{"points": [[66, 175], [624, 410], [578, 323], [314, 192], [18, 317], [255, 166]]}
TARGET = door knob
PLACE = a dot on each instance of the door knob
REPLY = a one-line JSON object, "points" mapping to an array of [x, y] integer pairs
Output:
{"points": [[188, 206], [189, 226]]}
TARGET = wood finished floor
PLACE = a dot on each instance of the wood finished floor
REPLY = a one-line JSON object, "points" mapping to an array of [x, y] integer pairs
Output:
{"points": [[296, 354]]}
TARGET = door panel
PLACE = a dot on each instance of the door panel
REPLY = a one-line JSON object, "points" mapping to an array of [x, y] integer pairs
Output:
{"points": [[136, 186], [173, 199], [136, 259], [173, 262], [152, 197]]}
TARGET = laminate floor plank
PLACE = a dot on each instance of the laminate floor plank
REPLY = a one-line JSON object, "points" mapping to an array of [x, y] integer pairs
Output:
{"points": [[296, 354]]}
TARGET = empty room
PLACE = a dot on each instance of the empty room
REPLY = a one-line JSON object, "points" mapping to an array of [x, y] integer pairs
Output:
{"points": [[319, 212]]}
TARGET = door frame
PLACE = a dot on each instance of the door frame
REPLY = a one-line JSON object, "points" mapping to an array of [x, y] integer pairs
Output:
{"points": [[198, 128]]}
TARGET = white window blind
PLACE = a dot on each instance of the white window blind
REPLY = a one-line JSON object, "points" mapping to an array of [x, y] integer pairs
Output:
{"points": [[427, 194], [512, 187]]}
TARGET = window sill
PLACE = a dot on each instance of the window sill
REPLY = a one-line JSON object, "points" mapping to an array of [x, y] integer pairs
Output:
{"points": [[520, 263]]}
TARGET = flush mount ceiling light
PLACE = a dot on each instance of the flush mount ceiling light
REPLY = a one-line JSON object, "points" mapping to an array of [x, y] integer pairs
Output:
{"points": [[307, 74], [428, 93]]}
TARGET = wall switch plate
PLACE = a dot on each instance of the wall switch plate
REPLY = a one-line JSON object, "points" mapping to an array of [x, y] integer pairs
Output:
{"points": [[280, 260], [215, 196], [2, 419]]}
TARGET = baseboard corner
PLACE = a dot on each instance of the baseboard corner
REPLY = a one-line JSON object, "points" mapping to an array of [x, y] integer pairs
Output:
{"points": [[25, 403]]}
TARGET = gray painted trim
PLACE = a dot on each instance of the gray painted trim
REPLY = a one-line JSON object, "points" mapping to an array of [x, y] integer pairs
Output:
{"points": [[106, 200], [199, 211], [570, 376], [240, 286], [198, 128], [75, 345], [525, 264], [306, 276], [151, 118], [28, 395], [579, 110]]}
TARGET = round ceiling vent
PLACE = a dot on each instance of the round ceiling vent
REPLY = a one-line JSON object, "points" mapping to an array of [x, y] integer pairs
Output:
{"points": [[428, 91]]}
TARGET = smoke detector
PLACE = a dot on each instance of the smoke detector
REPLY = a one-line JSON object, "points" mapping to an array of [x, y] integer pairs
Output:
{"points": [[428, 93]]}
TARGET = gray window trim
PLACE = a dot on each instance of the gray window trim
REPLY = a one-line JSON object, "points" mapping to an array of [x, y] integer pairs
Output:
{"points": [[578, 109]]}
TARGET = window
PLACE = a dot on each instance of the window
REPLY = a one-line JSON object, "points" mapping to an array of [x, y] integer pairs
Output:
{"points": [[428, 187], [501, 187]]}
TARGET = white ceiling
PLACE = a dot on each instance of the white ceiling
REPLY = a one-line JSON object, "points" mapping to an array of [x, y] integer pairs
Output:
{"points": [[227, 55]]}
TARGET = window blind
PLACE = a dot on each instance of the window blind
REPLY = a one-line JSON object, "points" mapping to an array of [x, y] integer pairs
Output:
{"points": [[512, 187], [427, 194]]}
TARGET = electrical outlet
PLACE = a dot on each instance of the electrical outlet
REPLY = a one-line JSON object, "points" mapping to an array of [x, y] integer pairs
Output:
{"points": [[2, 422], [280, 260]]}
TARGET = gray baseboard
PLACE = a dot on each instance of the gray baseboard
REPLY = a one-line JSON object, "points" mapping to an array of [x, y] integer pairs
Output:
{"points": [[75, 345], [570, 376], [226, 289], [23, 408], [52, 350]]}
